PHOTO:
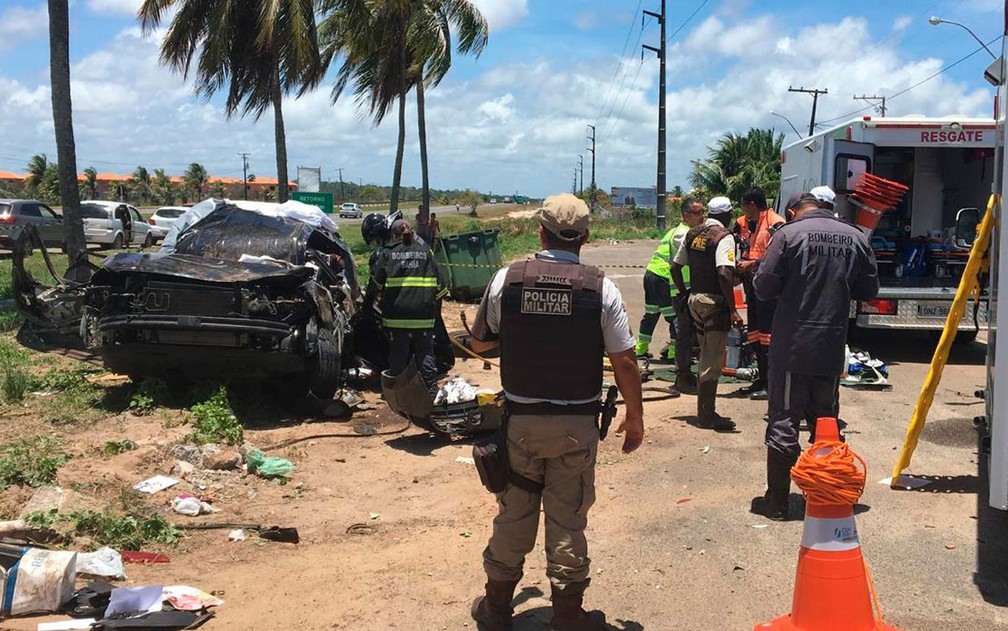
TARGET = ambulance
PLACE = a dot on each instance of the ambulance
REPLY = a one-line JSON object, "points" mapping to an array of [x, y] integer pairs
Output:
{"points": [[948, 165]]}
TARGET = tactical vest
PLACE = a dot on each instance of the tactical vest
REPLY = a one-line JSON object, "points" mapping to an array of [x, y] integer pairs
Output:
{"points": [[409, 297], [754, 242], [551, 331], [701, 246]]}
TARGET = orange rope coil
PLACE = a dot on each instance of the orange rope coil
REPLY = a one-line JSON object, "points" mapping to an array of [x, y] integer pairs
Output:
{"points": [[833, 477]]}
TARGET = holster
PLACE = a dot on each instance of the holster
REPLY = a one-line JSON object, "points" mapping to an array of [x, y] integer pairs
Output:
{"points": [[494, 464]]}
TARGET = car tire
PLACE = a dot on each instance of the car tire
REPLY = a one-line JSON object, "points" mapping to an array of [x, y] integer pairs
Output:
{"points": [[324, 373], [148, 241], [117, 243]]}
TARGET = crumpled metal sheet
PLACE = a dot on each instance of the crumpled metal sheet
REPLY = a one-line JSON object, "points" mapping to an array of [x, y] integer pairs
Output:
{"points": [[199, 268]]}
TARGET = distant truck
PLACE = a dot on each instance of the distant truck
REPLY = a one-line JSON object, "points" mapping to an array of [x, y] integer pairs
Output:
{"points": [[948, 164]]}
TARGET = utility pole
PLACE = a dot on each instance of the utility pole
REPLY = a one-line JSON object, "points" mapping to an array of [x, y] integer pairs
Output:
{"points": [[245, 157], [592, 149], [815, 92], [872, 101], [342, 191], [660, 51], [574, 185], [581, 167]]}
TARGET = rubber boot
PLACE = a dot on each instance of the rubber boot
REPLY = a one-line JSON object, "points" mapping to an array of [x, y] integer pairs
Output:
{"points": [[493, 611], [685, 382], [706, 414], [774, 504], [759, 388], [569, 613]]}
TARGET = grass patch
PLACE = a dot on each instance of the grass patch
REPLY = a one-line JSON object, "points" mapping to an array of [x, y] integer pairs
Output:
{"points": [[31, 461], [35, 264], [15, 380], [9, 320], [76, 398], [151, 394], [123, 532], [116, 447], [214, 421]]}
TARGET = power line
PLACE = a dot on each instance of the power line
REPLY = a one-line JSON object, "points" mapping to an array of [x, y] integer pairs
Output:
{"points": [[881, 108], [815, 92], [616, 94], [619, 63], [683, 25], [912, 87]]}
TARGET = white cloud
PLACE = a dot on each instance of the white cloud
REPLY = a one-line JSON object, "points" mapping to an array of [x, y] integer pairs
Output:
{"points": [[586, 20], [119, 7], [902, 23], [501, 14], [18, 24]]}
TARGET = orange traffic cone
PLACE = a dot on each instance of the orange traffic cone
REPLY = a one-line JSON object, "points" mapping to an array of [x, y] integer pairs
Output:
{"points": [[833, 590]]}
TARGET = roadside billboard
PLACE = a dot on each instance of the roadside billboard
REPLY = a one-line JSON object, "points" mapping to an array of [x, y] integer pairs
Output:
{"points": [[634, 197]]}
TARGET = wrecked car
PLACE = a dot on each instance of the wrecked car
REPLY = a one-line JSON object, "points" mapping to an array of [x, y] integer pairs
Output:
{"points": [[250, 291]]}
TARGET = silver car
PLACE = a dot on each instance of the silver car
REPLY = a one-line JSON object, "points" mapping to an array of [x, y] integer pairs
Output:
{"points": [[163, 218], [351, 210], [19, 212], [115, 224]]}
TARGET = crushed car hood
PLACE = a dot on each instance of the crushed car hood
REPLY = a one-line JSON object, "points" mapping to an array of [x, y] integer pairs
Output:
{"points": [[199, 268]]}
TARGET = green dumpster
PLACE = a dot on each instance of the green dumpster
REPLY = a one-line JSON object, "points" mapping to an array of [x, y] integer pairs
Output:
{"points": [[471, 259]]}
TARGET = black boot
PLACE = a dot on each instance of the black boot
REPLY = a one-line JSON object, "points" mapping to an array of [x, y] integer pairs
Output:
{"points": [[686, 382], [569, 613], [758, 391], [774, 504], [706, 414], [493, 611]]}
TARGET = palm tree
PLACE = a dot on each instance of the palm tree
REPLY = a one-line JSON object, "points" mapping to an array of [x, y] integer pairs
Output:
{"points": [[217, 189], [737, 163], [59, 79], [255, 50], [90, 185], [195, 178], [389, 47], [36, 172], [140, 183], [162, 189]]}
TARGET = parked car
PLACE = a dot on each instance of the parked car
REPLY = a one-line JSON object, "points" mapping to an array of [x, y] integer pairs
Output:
{"points": [[18, 212], [163, 218], [351, 210], [252, 294], [115, 224]]}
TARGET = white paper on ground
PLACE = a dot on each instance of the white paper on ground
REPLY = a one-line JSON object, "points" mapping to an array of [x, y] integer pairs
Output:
{"points": [[907, 482], [156, 483], [66, 625], [102, 562], [145, 599]]}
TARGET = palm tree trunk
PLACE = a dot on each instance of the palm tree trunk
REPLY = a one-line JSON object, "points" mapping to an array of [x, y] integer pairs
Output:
{"points": [[283, 193], [424, 217], [59, 77], [401, 148]]}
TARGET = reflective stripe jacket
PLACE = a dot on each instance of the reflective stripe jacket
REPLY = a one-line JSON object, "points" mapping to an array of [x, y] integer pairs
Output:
{"points": [[661, 260], [754, 242], [411, 284]]}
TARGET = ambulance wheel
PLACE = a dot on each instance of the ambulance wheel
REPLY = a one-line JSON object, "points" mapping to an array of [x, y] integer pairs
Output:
{"points": [[965, 338]]}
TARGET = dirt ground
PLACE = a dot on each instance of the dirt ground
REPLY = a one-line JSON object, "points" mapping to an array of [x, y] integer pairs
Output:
{"points": [[392, 526]]}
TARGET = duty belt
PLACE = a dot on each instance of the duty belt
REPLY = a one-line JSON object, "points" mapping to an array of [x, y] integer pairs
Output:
{"points": [[553, 409]]}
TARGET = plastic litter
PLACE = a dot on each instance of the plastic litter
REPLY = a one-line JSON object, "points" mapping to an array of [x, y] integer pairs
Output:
{"points": [[237, 535], [268, 466], [863, 370], [127, 600], [40, 583], [456, 390], [192, 506], [104, 562], [187, 598], [155, 483]]}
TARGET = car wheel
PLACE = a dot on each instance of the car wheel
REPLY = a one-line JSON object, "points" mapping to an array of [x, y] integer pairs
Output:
{"points": [[117, 243], [324, 374], [148, 240]]}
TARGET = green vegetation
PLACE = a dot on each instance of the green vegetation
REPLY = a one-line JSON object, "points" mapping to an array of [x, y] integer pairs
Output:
{"points": [[737, 163], [124, 532], [116, 447], [75, 396], [15, 380], [9, 320], [30, 461], [35, 264], [151, 394], [214, 422]]}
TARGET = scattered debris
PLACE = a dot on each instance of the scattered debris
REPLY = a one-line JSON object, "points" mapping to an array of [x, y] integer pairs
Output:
{"points": [[906, 482], [268, 466], [154, 484], [865, 372], [104, 562], [237, 535], [950, 546], [130, 600], [705, 450], [760, 526], [684, 500], [280, 535], [360, 529], [187, 452], [465, 460], [192, 506], [42, 582], [217, 459], [456, 390], [185, 598]]}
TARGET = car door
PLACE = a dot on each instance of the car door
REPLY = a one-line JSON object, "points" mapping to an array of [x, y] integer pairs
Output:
{"points": [[28, 213], [51, 226], [140, 227]]}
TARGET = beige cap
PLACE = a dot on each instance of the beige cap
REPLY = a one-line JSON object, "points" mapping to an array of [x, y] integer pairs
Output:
{"points": [[719, 206], [566, 216]]}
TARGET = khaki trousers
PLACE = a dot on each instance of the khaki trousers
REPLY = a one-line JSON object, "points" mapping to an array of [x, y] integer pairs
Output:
{"points": [[710, 317], [559, 452]]}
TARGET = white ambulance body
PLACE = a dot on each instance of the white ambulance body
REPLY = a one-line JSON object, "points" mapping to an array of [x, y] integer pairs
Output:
{"points": [[948, 164]]}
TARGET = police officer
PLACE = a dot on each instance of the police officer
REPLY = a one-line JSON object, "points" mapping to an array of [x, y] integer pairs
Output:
{"points": [[709, 250], [814, 266], [554, 320], [693, 212], [411, 285], [658, 293], [753, 230]]}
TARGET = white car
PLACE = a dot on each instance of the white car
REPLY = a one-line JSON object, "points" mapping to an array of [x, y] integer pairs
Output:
{"points": [[163, 218], [351, 210], [115, 224]]}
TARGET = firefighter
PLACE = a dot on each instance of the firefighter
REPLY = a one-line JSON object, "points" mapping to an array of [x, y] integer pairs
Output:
{"points": [[752, 231], [814, 266], [659, 293], [709, 250], [554, 320], [411, 286]]}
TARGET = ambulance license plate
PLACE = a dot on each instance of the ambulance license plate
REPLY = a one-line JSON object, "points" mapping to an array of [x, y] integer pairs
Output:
{"points": [[934, 310]]}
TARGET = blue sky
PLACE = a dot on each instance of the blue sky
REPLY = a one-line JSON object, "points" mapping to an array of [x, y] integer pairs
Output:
{"points": [[514, 119]]}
